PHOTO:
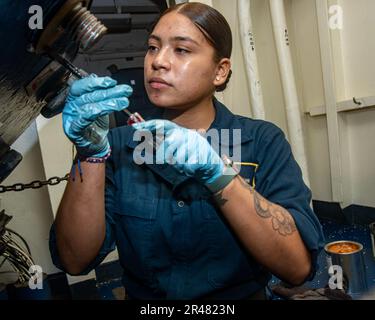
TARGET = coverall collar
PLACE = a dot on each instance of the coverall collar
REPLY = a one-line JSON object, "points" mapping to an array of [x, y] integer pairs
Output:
{"points": [[224, 119]]}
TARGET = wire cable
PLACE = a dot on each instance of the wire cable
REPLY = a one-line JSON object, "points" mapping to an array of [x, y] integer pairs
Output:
{"points": [[18, 257], [21, 238]]}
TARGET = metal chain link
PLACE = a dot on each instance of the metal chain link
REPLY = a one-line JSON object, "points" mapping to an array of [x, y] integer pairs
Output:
{"points": [[34, 184]]}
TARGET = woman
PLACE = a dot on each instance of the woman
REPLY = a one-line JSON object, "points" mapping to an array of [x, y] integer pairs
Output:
{"points": [[183, 229]]}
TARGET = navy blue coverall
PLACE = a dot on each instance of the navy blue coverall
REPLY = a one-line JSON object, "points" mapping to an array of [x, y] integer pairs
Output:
{"points": [[172, 240]]}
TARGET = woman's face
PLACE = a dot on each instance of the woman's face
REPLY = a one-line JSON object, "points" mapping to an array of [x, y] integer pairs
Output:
{"points": [[179, 66]]}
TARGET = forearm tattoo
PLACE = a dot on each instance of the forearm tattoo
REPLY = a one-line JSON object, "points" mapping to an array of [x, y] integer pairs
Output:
{"points": [[220, 200], [282, 222]]}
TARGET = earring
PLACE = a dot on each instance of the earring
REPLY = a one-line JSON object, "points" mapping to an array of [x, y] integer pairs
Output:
{"points": [[217, 78]]}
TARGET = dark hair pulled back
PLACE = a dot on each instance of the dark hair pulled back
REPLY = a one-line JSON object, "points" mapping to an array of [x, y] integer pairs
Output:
{"points": [[214, 27]]}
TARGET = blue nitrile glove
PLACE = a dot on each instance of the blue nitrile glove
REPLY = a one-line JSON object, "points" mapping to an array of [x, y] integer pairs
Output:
{"points": [[85, 114], [187, 150]]}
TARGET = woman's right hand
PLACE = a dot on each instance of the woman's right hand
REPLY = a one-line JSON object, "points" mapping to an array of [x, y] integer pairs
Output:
{"points": [[85, 114]]}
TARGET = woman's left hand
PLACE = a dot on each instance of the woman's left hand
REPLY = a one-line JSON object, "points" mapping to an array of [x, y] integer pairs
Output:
{"points": [[186, 149]]}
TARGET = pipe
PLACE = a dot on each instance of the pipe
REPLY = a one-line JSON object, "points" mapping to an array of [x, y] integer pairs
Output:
{"points": [[289, 85], [251, 63], [336, 153]]}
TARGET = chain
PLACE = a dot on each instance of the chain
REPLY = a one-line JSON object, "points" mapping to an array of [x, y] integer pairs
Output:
{"points": [[37, 183], [34, 184]]}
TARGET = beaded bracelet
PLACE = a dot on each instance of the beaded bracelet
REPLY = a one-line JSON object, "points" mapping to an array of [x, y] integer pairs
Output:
{"points": [[78, 159], [96, 160]]}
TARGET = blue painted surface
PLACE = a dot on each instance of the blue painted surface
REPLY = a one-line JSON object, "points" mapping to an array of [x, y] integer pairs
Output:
{"points": [[3, 293], [105, 288], [14, 292], [332, 231], [336, 232], [25, 293], [360, 234]]}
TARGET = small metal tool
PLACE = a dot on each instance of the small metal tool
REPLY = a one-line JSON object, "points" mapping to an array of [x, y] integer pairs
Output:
{"points": [[79, 73]]}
